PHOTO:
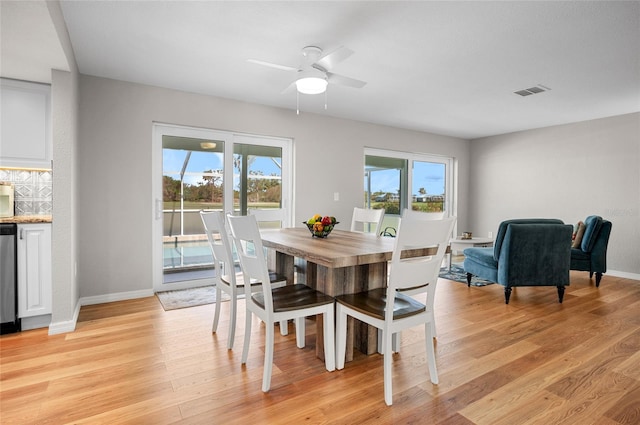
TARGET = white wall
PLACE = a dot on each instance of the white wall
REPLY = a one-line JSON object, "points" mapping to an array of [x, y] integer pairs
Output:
{"points": [[566, 172], [115, 206], [64, 119]]}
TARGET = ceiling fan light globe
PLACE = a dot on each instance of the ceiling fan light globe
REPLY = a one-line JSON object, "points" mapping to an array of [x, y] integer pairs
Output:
{"points": [[311, 85]]}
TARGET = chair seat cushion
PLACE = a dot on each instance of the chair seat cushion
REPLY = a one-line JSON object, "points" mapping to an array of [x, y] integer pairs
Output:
{"points": [[276, 277], [579, 254], [482, 256], [293, 297], [373, 303]]}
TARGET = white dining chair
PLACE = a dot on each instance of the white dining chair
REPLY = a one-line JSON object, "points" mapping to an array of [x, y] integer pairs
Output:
{"points": [[420, 215], [394, 308], [367, 220], [271, 305], [269, 217], [226, 278]]}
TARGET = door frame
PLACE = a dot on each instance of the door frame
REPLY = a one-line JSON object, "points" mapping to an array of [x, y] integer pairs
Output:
{"points": [[229, 138]]}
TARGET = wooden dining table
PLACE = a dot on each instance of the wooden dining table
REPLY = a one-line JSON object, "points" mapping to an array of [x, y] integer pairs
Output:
{"points": [[343, 263]]}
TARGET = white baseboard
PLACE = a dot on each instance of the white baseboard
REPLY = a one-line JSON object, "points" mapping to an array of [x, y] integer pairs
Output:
{"points": [[35, 322], [70, 325], [626, 275], [120, 296], [67, 325]]}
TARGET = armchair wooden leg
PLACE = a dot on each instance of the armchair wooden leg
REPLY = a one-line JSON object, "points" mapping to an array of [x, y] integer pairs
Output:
{"points": [[560, 293], [598, 277], [507, 294], [469, 279]]}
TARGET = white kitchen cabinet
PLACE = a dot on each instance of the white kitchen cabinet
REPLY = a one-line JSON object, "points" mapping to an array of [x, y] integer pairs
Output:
{"points": [[25, 115], [34, 270]]}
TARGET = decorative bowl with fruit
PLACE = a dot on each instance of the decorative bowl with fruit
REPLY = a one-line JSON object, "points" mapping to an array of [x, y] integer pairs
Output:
{"points": [[320, 226]]}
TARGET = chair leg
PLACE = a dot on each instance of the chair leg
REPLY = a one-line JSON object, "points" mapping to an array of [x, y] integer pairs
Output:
{"points": [[247, 336], [329, 339], [387, 358], [268, 358], [507, 294], [560, 293], [233, 308], [431, 354], [300, 332], [341, 336], [598, 278], [469, 280], [216, 314], [284, 328], [395, 342]]}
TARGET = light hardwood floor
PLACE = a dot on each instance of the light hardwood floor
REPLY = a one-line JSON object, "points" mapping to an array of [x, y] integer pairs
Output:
{"points": [[533, 361]]}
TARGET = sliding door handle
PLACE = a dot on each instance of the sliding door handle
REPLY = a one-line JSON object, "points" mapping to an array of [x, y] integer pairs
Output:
{"points": [[158, 209]]}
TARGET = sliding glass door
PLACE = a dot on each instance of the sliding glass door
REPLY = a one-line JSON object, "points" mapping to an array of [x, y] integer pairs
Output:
{"points": [[205, 170]]}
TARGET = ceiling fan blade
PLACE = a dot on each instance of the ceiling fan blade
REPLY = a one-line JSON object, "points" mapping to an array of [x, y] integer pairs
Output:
{"points": [[273, 65], [330, 60], [344, 81]]}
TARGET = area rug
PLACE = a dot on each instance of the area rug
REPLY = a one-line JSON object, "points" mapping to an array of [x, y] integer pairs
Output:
{"points": [[183, 298], [458, 274]]}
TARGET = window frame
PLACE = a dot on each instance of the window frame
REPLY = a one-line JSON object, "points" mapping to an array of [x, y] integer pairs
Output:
{"points": [[406, 180]]}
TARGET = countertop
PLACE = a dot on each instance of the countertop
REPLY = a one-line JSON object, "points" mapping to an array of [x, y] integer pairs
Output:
{"points": [[25, 219]]}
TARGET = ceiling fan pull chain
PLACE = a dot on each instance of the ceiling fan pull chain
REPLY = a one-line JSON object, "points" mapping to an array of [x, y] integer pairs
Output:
{"points": [[325, 99], [297, 103]]}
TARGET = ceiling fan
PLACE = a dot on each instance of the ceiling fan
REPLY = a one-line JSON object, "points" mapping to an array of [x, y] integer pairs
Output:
{"points": [[314, 73]]}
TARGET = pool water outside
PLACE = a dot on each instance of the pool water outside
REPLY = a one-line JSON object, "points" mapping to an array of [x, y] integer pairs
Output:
{"points": [[186, 254]]}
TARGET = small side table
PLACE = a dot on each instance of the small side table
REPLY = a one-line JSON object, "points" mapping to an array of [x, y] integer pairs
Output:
{"points": [[467, 243]]}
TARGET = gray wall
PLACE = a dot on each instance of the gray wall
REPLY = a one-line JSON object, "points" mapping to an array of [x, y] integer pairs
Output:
{"points": [[64, 238], [115, 179], [566, 172]]}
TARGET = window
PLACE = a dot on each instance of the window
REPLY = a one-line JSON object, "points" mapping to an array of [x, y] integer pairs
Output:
{"points": [[398, 180]]}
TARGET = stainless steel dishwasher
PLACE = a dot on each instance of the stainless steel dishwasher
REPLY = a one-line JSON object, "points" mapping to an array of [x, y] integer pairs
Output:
{"points": [[8, 280]]}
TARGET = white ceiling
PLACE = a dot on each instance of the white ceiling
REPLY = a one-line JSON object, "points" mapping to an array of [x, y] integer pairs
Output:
{"points": [[29, 44], [443, 67]]}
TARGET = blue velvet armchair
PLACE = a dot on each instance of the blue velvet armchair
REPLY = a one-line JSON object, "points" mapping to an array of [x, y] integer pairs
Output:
{"points": [[526, 252], [591, 256]]}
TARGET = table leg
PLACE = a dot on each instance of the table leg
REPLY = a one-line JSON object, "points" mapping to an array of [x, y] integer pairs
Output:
{"points": [[338, 281], [284, 266], [348, 280]]}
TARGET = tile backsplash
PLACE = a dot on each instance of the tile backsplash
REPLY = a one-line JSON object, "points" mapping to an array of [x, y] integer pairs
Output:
{"points": [[33, 190]]}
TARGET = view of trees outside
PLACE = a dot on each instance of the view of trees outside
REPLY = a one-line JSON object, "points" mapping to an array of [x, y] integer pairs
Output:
{"points": [[383, 187], [207, 193], [194, 180]]}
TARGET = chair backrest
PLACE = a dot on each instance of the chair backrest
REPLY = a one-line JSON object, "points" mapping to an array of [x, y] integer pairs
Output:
{"points": [[220, 244], [418, 274], [502, 230], [367, 220], [248, 242], [420, 215], [535, 254], [269, 217]]}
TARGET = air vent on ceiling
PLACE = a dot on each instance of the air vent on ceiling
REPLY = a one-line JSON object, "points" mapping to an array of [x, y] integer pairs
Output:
{"points": [[532, 90]]}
